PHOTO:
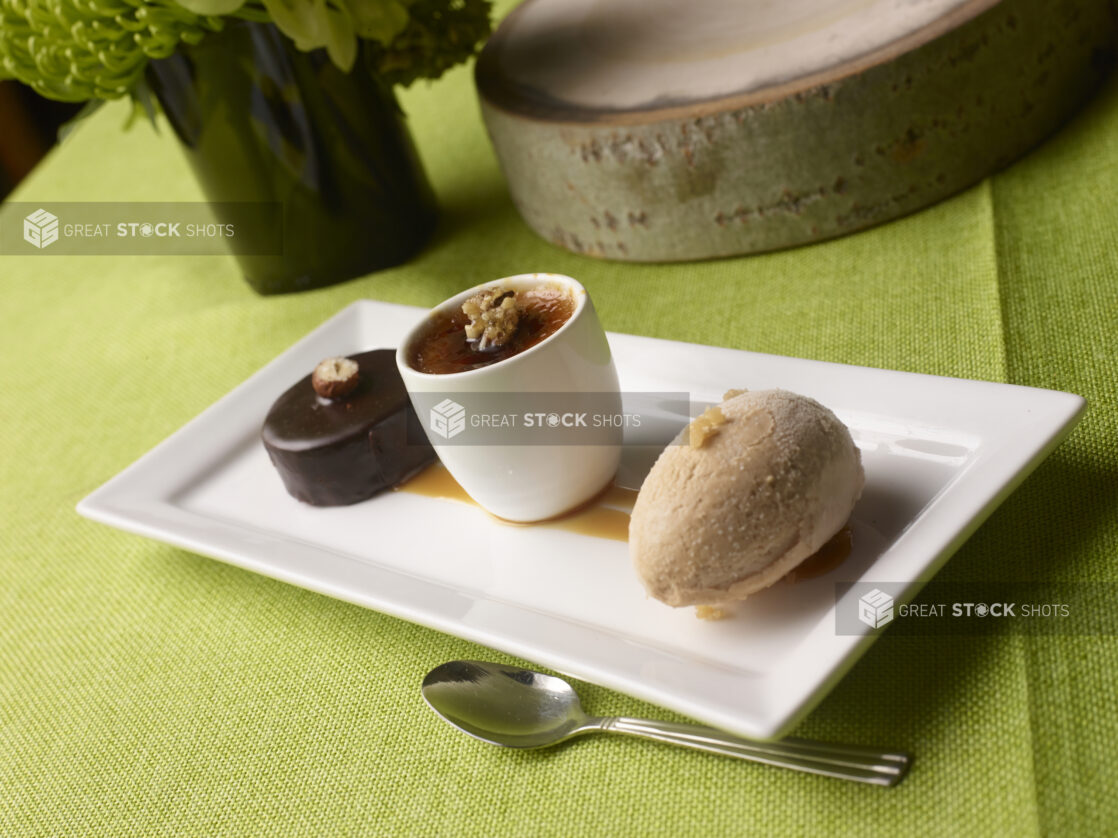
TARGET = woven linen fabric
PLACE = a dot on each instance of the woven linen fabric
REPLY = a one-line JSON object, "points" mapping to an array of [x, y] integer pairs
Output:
{"points": [[148, 691]]}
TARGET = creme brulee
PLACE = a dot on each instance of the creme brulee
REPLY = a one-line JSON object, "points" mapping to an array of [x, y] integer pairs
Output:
{"points": [[442, 347]]}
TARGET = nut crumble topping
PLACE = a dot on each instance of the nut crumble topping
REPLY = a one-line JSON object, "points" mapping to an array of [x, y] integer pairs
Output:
{"points": [[494, 316], [709, 612], [705, 426]]}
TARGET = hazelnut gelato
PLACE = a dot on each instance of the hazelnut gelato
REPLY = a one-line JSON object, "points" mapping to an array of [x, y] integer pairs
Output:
{"points": [[747, 492]]}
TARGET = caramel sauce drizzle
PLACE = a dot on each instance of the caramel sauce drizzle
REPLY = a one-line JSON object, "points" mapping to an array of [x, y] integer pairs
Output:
{"points": [[605, 516]]}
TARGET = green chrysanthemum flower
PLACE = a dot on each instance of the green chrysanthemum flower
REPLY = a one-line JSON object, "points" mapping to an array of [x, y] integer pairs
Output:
{"points": [[91, 49], [97, 49]]}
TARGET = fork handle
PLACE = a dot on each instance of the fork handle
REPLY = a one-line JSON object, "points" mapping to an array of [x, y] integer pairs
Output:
{"points": [[843, 762]]}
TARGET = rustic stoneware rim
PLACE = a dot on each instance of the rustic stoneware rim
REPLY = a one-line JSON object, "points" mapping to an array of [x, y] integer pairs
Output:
{"points": [[498, 94]]}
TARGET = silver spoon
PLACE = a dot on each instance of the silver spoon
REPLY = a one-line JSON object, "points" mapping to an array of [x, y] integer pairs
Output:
{"points": [[519, 708]]}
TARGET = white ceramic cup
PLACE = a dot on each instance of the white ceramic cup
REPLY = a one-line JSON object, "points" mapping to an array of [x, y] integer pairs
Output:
{"points": [[530, 482]]}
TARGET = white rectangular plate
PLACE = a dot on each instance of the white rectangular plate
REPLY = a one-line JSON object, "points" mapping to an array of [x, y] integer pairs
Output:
{"points": [[939, 453]]}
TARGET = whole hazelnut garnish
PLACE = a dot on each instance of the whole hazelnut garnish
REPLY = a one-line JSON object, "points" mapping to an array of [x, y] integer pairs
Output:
{"points": [[335, 378]]}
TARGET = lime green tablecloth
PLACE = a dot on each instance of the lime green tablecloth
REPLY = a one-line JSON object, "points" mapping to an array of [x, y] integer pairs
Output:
{"points": [[145, 690]]}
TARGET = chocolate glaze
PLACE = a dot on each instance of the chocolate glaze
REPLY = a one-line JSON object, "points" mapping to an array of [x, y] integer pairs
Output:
{"points": [[333, 452]]}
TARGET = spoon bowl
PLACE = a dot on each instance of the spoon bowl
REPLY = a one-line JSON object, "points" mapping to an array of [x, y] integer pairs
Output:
{"points": [[504, 705], [520, 708]]}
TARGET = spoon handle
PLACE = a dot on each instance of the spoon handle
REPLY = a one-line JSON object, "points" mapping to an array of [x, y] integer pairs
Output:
{"points": [[844, 762]]}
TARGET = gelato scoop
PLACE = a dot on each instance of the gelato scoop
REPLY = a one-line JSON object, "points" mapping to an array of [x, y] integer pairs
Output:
{"points": [[748, 491]]}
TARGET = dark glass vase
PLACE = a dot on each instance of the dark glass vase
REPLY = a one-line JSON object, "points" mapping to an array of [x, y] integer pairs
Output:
{"points": [[262, 122]]}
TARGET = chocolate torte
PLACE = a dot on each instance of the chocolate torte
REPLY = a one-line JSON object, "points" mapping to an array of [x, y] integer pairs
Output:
{"points": [[334, 451]]}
